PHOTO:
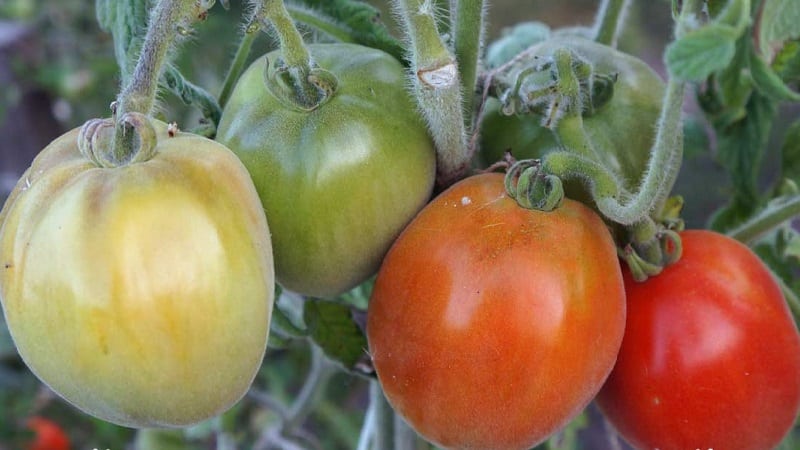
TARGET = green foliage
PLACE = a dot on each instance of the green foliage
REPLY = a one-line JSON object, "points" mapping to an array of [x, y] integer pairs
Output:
{"points": [[332, 327]]}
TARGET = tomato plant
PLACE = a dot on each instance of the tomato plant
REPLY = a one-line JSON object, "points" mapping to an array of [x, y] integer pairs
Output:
{"points": [[711, 354], [504, 327], [48, 435], [126, 288], [338, 182], [620, 126]]}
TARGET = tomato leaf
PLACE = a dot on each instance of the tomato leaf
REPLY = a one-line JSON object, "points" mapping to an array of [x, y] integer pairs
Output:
{"points": [[787, 62], [769, 82], [362, 22], [702, 52], [741, 148], [126, 20], [332, 326], [780, 20]]}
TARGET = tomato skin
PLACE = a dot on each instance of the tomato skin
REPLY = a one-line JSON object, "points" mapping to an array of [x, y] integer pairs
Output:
{"points": [[711, 355], [491, 326], [142, 294], [48, 435], [339, 182], [623, 129]]}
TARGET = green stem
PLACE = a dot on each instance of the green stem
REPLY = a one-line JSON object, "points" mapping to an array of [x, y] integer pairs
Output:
{"points": [[309, 17], [237, 65], [662, 168], [295, 52], [609, 20], [778, 212], [468, 31], [435, 77], [140, 93]]}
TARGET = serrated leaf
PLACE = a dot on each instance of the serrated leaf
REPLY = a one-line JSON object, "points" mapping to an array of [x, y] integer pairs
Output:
{"points": [[332, 327], [780, 20], [702, 52]]}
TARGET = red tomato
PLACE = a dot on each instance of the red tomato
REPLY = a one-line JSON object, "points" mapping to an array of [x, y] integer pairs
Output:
{"points": [[49, 435], [490, 325], [711, 355]]}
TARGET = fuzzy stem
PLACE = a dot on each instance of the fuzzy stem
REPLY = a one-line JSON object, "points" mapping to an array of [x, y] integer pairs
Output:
{"points": [[609, 21], [140, 93], [468, 31], [295, 52], [663, 167], [237, 66], [311, 18], [778, 212], [435, 77]]}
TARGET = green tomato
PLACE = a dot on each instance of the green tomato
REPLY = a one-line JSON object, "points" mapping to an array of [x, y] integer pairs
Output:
{"points": [[338, 182], [142, 293], [622, 129]]}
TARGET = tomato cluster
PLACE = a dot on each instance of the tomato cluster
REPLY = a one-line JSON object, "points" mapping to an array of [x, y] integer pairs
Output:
{"points": [[140, 288]]}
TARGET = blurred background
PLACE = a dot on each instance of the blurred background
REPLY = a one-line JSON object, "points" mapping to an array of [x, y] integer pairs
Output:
{"points": [[57, 69]]}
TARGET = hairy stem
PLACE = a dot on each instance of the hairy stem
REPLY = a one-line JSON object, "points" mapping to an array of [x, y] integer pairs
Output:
{"points": [[468, 30], [663, 167], [609, 21], [140, 93], [778, 212], [237, 65], [435, 78], [295, 52]]}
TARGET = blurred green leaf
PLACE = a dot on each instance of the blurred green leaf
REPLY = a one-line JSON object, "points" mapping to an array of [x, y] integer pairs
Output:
{"points": [[362, 22], [7, 348], [331, 325], [700, 53], [780, 20], [787, 62], [126, 20], [768, 81]]}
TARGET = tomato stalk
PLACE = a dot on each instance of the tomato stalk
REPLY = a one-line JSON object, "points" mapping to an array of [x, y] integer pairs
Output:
{"points": [[294, 78], [168, 20], [774, 215], [609, 21], [435, 79], [238, 64], [468, 24]]}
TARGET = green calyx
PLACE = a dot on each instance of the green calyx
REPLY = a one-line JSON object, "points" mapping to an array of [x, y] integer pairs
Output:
{"points": [[96, 140], [297, 88], [532, 188]]}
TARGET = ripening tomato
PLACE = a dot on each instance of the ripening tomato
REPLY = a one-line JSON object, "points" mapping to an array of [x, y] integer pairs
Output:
{"points": [[48, 435], [141, 293], [491, 326], [339, 181], [711, 354]]}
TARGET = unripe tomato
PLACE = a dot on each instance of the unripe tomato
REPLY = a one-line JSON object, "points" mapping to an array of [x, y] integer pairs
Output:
{"points": [[141, 293], [621, 129], [338, 182], [491, 326], [48, 435], [711, 354]]}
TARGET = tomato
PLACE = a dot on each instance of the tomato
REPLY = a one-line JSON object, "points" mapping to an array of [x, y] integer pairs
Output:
{"points": [[622, 129], [491, 326], [338, 182], [711, 354], [48, 435], [141, 293]]}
